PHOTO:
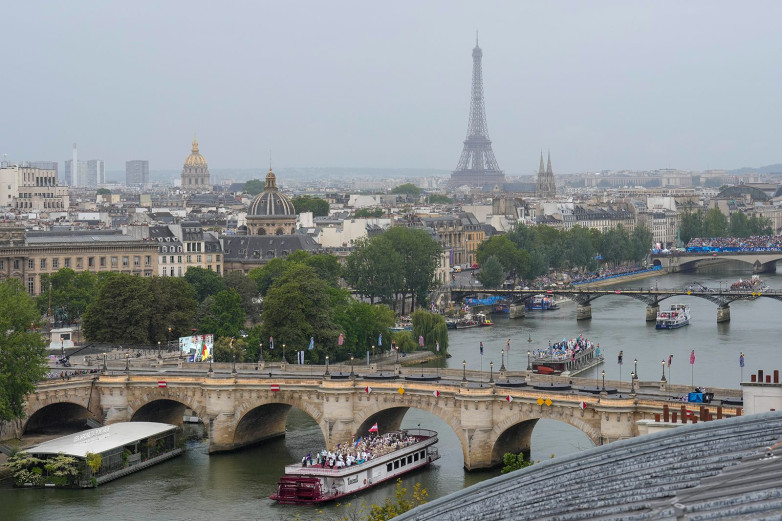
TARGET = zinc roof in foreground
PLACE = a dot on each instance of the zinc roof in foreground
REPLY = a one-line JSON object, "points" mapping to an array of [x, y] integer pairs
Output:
{"points": [[101, 439]]}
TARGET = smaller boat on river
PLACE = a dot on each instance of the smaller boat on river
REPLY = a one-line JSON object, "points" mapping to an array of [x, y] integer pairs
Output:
{"points": [[347, 470], [675, 317], [541, 303], [755, 285], [568, 357], [469, 320]]}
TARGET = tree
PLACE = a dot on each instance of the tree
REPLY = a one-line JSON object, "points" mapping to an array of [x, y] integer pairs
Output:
{"points": [[616, 245], [513, 462], [374, 269], [578, 249], [760, 225], [640, 243], [715, 224], [305, 203], [491, 274], [433, 328], [22, 349], [228, 347], [691, 225], [205, 282], [406, 189], [439, 199], [103, 191], [739, 225], [264, 277], [369, 212], [70, 290], [222, 314], [505, 251], [420, 255], [400, 504], [363, 324], [248, 292], [253, 187]]}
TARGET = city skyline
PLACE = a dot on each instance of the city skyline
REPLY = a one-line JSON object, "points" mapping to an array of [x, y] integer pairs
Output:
{"points": [[604, 86]]}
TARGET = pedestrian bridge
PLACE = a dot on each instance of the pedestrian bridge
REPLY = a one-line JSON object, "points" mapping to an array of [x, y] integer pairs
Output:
{"points": [[761, 261], [489, 417]]}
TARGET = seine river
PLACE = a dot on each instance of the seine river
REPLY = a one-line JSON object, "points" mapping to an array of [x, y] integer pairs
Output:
{"points": [[237, 485]]}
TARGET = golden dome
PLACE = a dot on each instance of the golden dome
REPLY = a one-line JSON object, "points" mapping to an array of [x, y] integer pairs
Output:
{"points": [[195, 159]]}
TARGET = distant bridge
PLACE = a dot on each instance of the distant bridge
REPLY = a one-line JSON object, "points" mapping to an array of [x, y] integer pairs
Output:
{"points": [[238, 409], [761, 261], [584, 296]]}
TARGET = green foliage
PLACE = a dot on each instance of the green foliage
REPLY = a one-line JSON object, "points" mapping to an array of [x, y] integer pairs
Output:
{"points": [[369, 212], [226, 348], [373, 269], [264, 277], [22, 351], [139, 310], [361, 324], [491, 274], [691, 225], [402, 502], [205, 282], [103, 191], [406, 189], [253, 187], [247, 289], [439, 199], [305, 203], [94, 461], [432, 327], [58, 469], [715, 224], [222, 314], [419, 255], [513, 462], [69, 289]]}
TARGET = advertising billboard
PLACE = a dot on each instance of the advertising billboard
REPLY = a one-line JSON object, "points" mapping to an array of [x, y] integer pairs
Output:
{"points": [[198, 348]]}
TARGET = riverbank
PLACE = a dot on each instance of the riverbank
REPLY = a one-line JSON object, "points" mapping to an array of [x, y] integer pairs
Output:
{"points": [[630, 277]]}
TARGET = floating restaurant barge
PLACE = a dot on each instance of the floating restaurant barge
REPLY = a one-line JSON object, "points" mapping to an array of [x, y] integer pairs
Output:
{"points": [[93, 457]]}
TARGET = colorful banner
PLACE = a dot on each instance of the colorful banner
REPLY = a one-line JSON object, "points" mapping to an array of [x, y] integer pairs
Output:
{"points": [[199, 348]]}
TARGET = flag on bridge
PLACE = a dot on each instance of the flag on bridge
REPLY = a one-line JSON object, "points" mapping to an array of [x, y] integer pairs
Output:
{"points": [[741, 360], [437, 345], [373, 428], [368, 389], [619, 358], [380, 340], [341, 340], [271, 342], [481, 347], [436, 393], [670, 359], [312, 343], [692, 357], [583, 405], [421, 340]]}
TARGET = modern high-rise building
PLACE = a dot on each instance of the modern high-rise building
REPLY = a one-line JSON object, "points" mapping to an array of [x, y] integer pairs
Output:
{"points": [[477, 165], [86, 173], [136, 172]]}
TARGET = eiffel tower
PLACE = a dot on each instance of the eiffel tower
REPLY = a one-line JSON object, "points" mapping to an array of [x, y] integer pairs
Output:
{"points": [[477, 165]]}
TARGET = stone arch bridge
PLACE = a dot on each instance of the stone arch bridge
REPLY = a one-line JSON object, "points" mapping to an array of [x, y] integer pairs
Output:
{"points": [[761, 261], [242, 410]]}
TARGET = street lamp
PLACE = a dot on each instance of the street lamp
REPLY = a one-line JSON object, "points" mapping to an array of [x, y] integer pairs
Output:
{"points": [[662, 378], [62, 347], [168, 340], [502, 367], [260, 352], [283, 353], [464, 370], [422, 368], [632, 382], [373, 353], [491, 372], [127, 362], [604, 380], [233, 367], [529, 366], [635, 370], [327, 366], [397, 353], [158, 350], [351, 366], [104, 362]]}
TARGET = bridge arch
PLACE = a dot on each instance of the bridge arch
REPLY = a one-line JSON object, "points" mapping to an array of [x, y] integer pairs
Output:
{"points": [[162, 405], [58, 417]]}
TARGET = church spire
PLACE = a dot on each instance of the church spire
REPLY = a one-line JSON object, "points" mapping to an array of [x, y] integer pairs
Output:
{"points": [[195, 143], [541, 170], [548, 168]]}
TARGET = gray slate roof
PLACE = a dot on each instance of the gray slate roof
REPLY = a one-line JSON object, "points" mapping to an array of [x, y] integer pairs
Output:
{"points": [[711, 470]]}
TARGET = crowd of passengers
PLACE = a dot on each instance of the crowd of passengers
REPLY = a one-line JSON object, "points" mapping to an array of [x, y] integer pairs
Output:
{"points": [[354, 453]]}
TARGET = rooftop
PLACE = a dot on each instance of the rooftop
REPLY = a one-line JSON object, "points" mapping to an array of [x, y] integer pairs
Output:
{"points": [[101, 439]]}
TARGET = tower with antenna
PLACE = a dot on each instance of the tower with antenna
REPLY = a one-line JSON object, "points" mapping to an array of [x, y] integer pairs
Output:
{"points": [[477, 165], [546, 187]]}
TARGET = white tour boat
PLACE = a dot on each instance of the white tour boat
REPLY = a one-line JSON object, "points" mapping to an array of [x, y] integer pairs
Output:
{"points": [[396, 453], [677, 316]]}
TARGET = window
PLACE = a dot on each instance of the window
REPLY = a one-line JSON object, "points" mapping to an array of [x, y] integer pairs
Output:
{"points": [[404, 461], [209, 267], [125, 261], [389, 467], [162, 259], [91, 262], [31, 285], [172, 271], [55, 264], [198, 258], [415, 457], [396, 464], [2, 265], [218, 258], [43, 264], [172, 259], [137, 260], [218, 269], [103, 262], [16, 264], [30, 264], [114, 262], [179, 259], [67, 262], [148, 260], [79, 262], [208, 258], [189, 259]]}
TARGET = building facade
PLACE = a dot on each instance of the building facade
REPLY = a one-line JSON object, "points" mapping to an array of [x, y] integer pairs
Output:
{"points": [[271, 212], [195, 172], [32, 190], [136, 172]]}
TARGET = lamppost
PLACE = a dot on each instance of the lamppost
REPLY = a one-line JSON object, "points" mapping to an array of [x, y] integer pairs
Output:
{"points": [[260, 352], [502, 367], [327, 366], [168, 340], [283, 353], [62, 347], [351, 366], [604, 380], [635, 369], [158, 350], [464, 370], [104, 362], [632, 382], [373, 353], [422, 368], [529, 366], [127, 362], [233, 366], [397, 353], [491, 372], [662, 378]]}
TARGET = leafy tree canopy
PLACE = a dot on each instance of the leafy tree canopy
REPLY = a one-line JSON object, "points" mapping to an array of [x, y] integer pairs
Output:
{"points": [[513, 462], [305, 203], [407, 189], [369, 212], [104, 191], [491, 274], [253, 187], [439, 199], [205, 282]]}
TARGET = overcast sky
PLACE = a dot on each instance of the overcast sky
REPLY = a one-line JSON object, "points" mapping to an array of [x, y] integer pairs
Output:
{"points": [[603, 85]]}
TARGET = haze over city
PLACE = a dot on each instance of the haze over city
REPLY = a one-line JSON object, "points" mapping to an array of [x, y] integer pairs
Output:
{"points": [[603, 85]]}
